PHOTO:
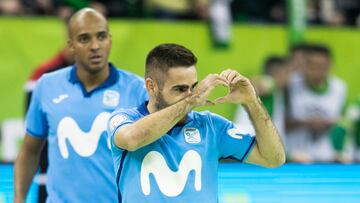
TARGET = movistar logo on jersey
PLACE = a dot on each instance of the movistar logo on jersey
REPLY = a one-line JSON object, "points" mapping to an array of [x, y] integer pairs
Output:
{"points": [[171, 183], [83, 143]]}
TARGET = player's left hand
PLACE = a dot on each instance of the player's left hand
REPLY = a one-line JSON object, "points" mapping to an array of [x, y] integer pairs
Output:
{"points": [[241, 89]]}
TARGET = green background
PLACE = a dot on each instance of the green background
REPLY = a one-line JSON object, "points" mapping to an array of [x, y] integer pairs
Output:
{"points": [[27, 42]]}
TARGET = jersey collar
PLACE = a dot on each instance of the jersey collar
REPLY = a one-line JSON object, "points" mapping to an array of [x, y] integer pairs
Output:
{"points": [[111, 80]]}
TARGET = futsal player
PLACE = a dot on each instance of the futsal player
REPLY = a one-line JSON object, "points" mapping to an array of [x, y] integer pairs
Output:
{"points": [[70, 108], [165, 152]]}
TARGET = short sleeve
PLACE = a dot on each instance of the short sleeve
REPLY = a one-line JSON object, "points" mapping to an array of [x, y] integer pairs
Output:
{"points": [[36, 122], [232, 141], [117, 119]]}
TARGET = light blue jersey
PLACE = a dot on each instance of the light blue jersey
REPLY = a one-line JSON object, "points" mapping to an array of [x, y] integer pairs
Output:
{"points": [[74, 123], [182, 165]]}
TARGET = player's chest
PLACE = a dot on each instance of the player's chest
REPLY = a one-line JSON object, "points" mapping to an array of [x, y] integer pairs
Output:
{"points": [[181, 143], [72, 106]]}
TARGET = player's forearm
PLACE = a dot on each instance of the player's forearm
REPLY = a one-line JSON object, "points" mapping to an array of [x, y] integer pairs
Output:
{"points": [[150, 128], [267, 136], [26, 165]]}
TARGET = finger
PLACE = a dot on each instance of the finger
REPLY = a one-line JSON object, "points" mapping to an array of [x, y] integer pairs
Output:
{"points": [[209, 103], [216, 81], [220, 77], [210, 80], [222, 100], [221, 82], [236, 80], [206, 91], [225, 73], [233, 74], [240, 79]]}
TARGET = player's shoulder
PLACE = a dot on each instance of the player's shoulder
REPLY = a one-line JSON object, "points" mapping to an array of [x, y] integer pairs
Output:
{"points": [[127, 112], [201, 114], [207, 116], [56, 77], [58, 74], [128, 76]]}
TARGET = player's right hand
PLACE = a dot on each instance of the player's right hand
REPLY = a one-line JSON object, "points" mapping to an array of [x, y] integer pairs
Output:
{"points": [[201, 92]]}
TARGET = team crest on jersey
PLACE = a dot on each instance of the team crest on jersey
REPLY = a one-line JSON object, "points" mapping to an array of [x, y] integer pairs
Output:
{"points": [[111, 98], [192, 135]]}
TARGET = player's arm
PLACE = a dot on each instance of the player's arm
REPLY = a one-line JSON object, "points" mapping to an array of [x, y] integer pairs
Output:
{"points": [[268, 150], [153, 126], [26, 164]]}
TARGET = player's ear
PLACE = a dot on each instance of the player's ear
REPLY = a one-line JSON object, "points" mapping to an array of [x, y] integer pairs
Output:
{"points": [[151, 86], [70, 45], [110, 39]]}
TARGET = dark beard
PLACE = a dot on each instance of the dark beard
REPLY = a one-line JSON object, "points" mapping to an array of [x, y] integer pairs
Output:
{"points": [[161, 104]]}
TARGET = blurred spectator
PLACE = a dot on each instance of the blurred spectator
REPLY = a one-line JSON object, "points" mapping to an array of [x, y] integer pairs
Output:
{"points": [[339, 12], [220, 22], [259, 11], [11, 7], [39, 7], [331, 15], [298, 60], [177, 9], [333, 12], [323, 12], [346, 133], [66, 7], [315, 102], [270, 87], [297, 56], [354, 118]]}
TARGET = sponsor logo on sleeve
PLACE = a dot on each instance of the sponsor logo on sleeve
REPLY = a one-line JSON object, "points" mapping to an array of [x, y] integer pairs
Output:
{"points": [[116, 121]]}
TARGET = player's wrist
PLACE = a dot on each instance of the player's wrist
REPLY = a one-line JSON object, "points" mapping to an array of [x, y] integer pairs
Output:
{"points": [[18, 199], [252, 102], [191, 102]]}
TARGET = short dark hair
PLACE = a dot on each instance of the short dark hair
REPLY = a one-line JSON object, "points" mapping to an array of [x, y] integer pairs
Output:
{"points": [[304, 47], [273, 62], [165, 56], [311, 48], [320, 49]]}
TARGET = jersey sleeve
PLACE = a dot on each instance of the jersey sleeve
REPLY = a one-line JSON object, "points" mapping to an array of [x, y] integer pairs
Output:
{"points": [[232, 141], [117, 119], [36, 122]]}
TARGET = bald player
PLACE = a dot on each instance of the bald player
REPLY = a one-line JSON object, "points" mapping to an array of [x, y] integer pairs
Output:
{"points": [[70, 108]]}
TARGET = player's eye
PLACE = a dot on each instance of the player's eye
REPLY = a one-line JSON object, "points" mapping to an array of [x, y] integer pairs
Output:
{"points": [[102, 36], [181, 89], [83, 38]]}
